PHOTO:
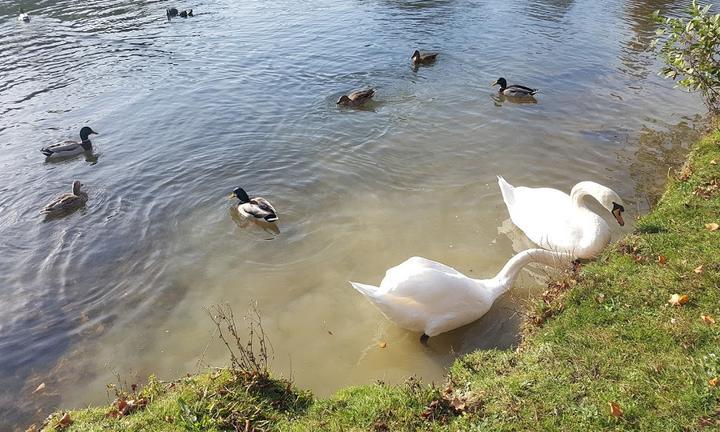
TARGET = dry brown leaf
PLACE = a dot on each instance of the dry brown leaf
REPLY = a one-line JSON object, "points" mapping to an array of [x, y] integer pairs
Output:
{"points": [[615, 410], [707, 319], [32, 428], [662, 260], [698, 269], [382, 344], [713, 382], [65, 421], [712, 226], [713, 162], [678, 300], [458, 405], [39, 388]]}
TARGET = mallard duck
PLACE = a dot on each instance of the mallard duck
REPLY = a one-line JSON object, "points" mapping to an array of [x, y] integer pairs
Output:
{"points": [[71, 148], [560, 222], [23, 16], [171, 13], [66, 202], [426, 296], [423, 58], [186, 13], [513, 90], [257, 207], [356, 98]]}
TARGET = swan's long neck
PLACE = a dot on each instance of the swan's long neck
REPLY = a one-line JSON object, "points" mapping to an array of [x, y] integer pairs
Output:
{"points": [[506, 277], [587, 188]]}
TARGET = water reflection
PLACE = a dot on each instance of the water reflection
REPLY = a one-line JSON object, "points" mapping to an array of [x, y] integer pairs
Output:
{"points": [[187, 105], [499, 99]]}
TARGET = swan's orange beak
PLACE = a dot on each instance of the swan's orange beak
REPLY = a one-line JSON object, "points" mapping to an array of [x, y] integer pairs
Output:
{"points": [[618, 216]]}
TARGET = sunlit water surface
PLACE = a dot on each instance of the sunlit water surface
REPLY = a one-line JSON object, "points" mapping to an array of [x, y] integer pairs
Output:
{"points": [[243, 94]]}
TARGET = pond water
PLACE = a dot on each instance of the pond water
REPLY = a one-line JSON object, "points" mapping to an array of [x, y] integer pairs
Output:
{"points": [[243, 94]]}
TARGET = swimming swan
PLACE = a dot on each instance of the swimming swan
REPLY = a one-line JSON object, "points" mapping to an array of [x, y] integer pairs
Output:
{"points": [[429, 297], [560, 222]]}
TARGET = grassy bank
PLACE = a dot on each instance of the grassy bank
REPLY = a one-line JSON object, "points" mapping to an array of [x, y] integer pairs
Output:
{"points": [[603, 349]]}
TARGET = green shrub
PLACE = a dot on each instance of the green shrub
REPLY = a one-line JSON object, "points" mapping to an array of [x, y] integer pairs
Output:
{"points": [[691, 50]]}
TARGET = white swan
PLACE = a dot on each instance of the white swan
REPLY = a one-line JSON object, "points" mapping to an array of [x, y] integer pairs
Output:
{"points": [[560, 222], [429, 297]]}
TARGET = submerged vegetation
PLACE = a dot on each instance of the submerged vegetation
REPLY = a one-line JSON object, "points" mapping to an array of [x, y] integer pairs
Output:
{"points": [[629, 341]]}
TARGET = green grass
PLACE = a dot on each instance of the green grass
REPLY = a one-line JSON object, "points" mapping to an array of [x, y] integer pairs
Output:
{"points": [[607, 334]]}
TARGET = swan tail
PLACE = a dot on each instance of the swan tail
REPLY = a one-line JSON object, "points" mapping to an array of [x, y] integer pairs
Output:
{"points": [[366, 290], [507, 190]]}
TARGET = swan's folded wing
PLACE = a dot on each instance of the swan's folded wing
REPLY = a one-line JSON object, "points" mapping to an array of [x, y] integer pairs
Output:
{"points": [[427, 282]]}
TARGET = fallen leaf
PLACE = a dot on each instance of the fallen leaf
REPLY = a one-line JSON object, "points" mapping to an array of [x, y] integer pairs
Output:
{"points": [[707, 319], [662, 260], [673, 320], [458, 405], [615, 410], [39, 388], [65, 421], [712, 226], [713, 162], [382, 344], [32, 428], [678, 300], [713, 382], [698, 269]]}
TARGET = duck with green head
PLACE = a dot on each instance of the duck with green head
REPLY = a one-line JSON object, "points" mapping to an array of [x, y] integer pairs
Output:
{"points": [[71, 148], [258, 207], [514, 90]]}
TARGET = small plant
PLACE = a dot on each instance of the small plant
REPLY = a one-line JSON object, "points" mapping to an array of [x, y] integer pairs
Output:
{"points": [[691, 50], [249, 358]]}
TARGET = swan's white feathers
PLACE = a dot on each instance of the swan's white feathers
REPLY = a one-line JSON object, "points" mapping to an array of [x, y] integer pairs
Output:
{"points": [[550, 219]]}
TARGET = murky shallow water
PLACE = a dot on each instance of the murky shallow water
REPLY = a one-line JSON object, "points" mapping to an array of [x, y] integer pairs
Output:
{"points": [[243, 94]]}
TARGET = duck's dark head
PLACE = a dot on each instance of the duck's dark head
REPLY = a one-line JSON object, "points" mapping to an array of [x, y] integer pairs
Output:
{"points": [[344, 100], [240, 194], [76, 187], [416, 55], [85, 133], [502, 82]]}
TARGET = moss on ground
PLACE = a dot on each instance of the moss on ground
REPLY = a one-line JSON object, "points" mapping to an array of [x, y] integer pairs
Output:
{"points": [[604, 341]]}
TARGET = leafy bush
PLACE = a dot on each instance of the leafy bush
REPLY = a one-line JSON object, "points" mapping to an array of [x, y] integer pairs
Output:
{"points": [[691, 50]]}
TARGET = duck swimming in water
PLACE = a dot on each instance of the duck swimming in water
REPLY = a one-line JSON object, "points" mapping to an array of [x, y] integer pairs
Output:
{"points": [[71, 148], [257, 207], [419, 58], [186, 13], [514, 90], [67, 202], [356, 98], [23, 16]]}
